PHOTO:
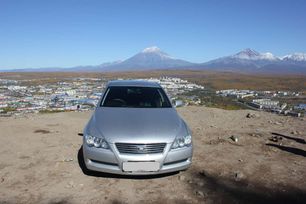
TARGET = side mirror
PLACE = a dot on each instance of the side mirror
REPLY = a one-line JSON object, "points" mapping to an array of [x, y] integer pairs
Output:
{"points": [[177, 103]]}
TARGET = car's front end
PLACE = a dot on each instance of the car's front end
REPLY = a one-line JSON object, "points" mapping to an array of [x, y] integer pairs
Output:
{"points": [[112, 161], [137, 141]]}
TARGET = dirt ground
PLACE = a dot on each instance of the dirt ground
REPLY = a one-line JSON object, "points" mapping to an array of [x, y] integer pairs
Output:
{"points": [[41, 162]]}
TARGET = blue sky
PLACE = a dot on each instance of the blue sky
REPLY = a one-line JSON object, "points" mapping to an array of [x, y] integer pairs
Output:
{"points": [[58, 33]]}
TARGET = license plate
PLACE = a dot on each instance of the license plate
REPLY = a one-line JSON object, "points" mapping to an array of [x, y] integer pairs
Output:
{"points": [[140, 166]]}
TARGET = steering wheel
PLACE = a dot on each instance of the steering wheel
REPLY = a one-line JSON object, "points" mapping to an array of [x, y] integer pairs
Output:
{"points": [[119, 100]]}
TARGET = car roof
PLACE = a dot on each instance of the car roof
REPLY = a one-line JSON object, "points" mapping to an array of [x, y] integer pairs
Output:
{"points": [[139, 83]]}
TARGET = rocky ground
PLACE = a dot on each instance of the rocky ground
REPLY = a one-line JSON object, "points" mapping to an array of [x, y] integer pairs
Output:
{"points": [[240, 157]]}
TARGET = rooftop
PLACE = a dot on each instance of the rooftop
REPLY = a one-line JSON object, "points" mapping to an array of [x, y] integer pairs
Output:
{"points": [[140, 83]]}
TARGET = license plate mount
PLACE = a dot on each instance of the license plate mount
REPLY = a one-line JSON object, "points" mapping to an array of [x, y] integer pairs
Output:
{"points": [[140, 166]]}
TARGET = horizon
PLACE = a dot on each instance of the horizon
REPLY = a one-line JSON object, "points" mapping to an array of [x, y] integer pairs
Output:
{"points": [[157, 49], [66, 34]]}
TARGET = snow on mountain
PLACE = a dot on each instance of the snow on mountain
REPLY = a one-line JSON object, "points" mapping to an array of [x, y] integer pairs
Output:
{"points": [[151, 49], [269, 56], [156, 51], [295, 57]]}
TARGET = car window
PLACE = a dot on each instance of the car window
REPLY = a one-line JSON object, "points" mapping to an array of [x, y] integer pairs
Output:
{"points": [[135, 97]]}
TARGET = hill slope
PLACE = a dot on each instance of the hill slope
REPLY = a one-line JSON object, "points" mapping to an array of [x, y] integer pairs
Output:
{"points": [[47, 168]]}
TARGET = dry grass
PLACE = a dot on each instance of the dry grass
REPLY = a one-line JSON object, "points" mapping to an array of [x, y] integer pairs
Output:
{"points": [[214, 80]]}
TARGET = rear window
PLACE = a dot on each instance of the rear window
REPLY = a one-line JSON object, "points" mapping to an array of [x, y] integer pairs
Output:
{"points": [[135, 97]]}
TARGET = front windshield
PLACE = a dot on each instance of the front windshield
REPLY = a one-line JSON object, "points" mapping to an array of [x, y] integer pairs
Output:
{"points": [[135, 97]]}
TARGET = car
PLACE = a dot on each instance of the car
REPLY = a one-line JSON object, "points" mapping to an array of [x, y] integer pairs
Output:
{"points": [[135, 130]]}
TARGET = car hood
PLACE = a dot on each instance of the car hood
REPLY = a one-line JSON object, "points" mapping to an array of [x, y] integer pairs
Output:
{"points": [[137, 125]]}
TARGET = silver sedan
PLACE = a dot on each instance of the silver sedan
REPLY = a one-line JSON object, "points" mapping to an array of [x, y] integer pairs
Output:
{"points": [[135, 130]]}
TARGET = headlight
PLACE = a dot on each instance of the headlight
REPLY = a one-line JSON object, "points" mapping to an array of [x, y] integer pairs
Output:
{"points": [[180, 142], [96, 142]]}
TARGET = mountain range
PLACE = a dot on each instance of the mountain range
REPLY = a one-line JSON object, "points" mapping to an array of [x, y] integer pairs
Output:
{"points": [[248, 60]]}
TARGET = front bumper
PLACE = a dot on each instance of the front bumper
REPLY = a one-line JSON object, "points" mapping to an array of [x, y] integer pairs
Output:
{"points": [[110, 160]]}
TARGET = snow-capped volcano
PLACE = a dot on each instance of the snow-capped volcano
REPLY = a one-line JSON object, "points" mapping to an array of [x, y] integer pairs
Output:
{"points": [[155, 51], [249, 60], [151, 58], [249, 54]]}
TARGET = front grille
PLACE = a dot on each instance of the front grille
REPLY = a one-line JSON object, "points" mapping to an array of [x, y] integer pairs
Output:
{"points": [[130, 148]]}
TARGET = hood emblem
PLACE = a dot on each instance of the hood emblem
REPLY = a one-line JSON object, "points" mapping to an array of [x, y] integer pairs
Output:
{"points": [[141, 148]]}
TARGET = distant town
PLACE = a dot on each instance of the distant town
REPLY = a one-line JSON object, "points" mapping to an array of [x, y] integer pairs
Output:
{"points": [[272, 101], [76, 94], [83, 94]]}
